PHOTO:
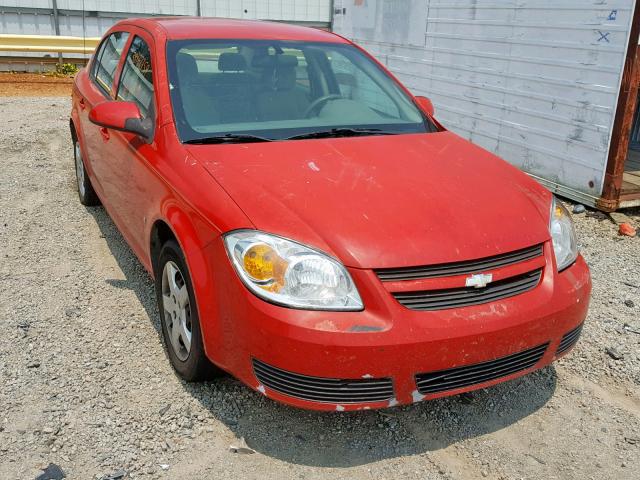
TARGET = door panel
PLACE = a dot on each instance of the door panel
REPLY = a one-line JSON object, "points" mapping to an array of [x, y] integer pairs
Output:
{"points": [[136, 84]]}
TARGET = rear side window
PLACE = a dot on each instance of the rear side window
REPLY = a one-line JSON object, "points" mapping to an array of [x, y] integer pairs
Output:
{"points": [[136, 82], [107, 60]]}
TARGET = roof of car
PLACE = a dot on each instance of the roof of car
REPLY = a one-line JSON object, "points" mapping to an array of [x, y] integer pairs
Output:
{"points": [[176, 28]]}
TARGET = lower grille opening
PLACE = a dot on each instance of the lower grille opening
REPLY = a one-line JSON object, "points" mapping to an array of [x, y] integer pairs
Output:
{"points": [[433, 382], [319, 389], [569, 339]]}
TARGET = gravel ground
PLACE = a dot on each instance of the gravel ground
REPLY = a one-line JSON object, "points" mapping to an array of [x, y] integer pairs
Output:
{"points": [[84, 382]]}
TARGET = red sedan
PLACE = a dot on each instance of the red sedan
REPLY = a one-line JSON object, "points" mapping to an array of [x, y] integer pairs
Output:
{"points": [[312, 229]]}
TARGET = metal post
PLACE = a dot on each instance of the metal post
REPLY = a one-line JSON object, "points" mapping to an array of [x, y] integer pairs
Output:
{"points": [[56, 24], [198, 9], [332, 7], [623, 121]]}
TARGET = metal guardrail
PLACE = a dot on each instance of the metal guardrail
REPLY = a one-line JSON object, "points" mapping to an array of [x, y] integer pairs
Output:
{"points": [[47, 43]]}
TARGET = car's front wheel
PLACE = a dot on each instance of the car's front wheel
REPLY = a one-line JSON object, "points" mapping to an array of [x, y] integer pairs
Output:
{"points": [[86, 192], [179, 316]]}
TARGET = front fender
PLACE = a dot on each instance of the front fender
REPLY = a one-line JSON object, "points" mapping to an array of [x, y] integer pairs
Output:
{"points": [[193, 239], [191, 242]]}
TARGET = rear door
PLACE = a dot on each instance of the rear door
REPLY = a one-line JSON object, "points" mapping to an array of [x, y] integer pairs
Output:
{"points": [[98, 89]]}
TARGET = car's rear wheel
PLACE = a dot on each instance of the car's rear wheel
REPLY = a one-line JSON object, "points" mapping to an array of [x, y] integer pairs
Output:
{"points": [[86, 192], [179, 316]]}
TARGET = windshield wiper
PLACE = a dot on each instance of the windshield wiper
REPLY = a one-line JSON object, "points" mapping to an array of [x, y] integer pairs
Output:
{"points": [[341, 132], [228, 138]]}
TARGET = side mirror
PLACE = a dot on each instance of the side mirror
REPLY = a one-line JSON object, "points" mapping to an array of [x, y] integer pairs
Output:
{"points": [[425, 105], [123, 116]]}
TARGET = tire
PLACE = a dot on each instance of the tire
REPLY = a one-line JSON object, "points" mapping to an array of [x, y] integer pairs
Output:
{"points": [[179, 316], [86, 193]]}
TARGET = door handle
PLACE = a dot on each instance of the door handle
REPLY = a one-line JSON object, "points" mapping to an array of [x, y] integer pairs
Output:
{"points": [[104, 132], [82, 104]]}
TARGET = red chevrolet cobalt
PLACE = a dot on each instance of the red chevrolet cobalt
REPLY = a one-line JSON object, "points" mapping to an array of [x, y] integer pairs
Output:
{"points": [[311, 228]]}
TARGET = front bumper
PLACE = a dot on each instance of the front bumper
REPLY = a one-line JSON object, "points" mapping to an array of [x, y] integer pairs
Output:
{"points": [[386, 340]]}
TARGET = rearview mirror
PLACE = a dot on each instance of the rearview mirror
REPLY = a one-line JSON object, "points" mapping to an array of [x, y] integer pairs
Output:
{"points": [[425, 105], [123, 116]]}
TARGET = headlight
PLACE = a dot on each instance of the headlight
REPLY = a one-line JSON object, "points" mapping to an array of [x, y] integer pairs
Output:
{"points": [[565, 244], [288, 273]]}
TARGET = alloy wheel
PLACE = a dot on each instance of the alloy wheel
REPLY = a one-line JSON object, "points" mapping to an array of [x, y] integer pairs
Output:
{"points": [[177, 310], [77, 154]]}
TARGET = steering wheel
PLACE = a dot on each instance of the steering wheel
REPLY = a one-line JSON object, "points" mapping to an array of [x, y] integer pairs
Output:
{"points": [[318, 102]]}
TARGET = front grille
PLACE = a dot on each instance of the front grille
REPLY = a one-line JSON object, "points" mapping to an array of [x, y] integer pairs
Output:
{"points": [[433, 382], [569, 339], [459, 268], [318, 389], [466, 296]]}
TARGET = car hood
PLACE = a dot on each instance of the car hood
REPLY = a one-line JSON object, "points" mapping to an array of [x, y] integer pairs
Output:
{"points": [[384, 201]]}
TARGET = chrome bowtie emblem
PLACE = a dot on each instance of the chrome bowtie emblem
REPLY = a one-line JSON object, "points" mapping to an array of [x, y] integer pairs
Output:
{"points": [[479, 281]]}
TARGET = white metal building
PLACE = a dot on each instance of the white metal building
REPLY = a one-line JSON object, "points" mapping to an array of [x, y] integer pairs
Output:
{"points": [[538, 82]]}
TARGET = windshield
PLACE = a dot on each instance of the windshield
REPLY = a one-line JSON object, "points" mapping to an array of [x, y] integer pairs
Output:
{"points": [[276, 90]]}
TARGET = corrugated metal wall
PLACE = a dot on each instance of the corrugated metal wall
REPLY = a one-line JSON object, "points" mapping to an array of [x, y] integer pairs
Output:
{"points": [[534, 81]]}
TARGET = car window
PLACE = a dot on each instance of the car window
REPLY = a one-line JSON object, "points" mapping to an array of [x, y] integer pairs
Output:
{"points": [[107, 59], [279, 89], [136, 81], [354, 83]]}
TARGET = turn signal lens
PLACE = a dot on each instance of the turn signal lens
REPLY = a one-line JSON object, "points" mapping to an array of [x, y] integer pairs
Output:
{"points": [[263, 264], [258, 262]]}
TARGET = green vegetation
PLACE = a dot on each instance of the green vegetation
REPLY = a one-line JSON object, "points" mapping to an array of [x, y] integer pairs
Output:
{"points": [[66, 69]]}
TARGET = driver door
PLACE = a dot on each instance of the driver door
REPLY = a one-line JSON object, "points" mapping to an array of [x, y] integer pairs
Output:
{"points": [[137, 155]]}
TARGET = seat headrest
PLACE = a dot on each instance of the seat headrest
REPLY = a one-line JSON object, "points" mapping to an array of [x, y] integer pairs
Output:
{"points": [[231, 62], [285, 78], [271, 61], [187, 68]]}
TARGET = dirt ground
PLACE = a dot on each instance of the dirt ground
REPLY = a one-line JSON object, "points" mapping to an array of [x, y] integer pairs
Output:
{"points": [[84, 382], [34, 85]]}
